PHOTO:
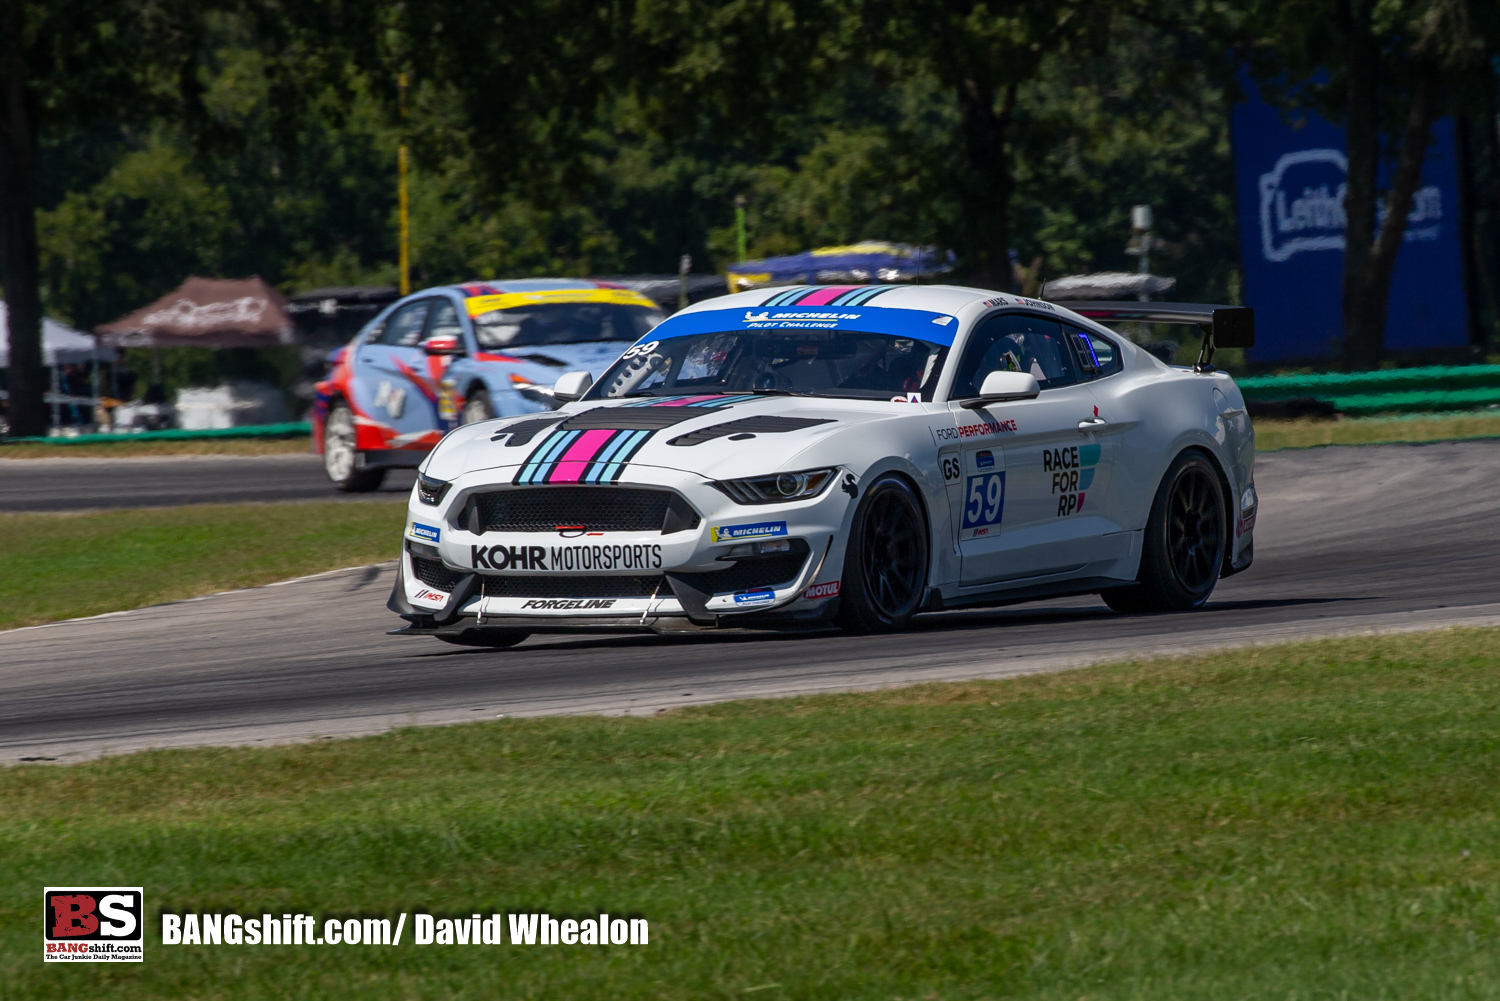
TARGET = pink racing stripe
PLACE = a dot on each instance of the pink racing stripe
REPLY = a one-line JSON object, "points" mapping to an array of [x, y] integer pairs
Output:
{"points": [[570, 467], [686, 401], [823, 296]]}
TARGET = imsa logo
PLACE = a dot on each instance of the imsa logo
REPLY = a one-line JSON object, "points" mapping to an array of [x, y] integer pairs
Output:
{"points": [[93, 924]]}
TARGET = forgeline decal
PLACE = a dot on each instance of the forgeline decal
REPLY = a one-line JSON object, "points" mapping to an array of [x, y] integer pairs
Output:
{"points": [[425, 532], [1072, 470], [828, 590], [755, 598], [736, 533], [983, 429], [503, 557], [570, 603]]}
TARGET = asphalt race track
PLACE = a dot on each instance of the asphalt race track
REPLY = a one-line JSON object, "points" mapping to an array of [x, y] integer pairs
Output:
{"points": [[64, 484], [1389, 537]]}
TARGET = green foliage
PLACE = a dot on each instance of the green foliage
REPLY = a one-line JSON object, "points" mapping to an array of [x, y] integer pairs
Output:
{"points": [[631, 174], [84, 564]]}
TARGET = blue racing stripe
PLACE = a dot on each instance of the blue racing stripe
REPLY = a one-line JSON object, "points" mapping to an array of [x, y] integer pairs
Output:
{"points": [[611, 472], [551, 449]]}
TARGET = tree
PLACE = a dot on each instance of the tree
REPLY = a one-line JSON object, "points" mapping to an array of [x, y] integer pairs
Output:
{"points": [[66, 63], [1386, 69]]}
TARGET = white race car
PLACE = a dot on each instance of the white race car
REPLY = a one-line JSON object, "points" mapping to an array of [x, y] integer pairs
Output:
{"points": [[849, 455]]}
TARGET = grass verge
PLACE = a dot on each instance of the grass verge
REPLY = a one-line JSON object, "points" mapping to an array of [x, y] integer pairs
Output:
{"points": [[1314, 820], [1271, 435], [59, 566], [131, 449]]}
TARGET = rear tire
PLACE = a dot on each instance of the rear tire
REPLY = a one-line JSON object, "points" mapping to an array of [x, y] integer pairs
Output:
{"points": [[341, 458], [495, 639], [1182, 554], [885, 565], [477, 408]]}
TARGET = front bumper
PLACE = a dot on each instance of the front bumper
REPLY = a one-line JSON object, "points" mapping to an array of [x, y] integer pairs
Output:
{"points": [[455, 576]]}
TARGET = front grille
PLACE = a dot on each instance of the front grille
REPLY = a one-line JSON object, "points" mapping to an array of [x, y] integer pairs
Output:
{"points": [[749, 575], [594, 509], [581, 586], [434, 574]]}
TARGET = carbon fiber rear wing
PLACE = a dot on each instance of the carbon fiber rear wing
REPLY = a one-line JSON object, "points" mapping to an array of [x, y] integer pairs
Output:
{"points": [[1222, 326]]}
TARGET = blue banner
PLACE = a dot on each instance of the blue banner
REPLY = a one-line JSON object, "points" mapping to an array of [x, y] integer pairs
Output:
{"points": [[1290, 189]]}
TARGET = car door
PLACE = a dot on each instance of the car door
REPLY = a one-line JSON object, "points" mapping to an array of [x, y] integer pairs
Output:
{"points": [[1030, 468], [384, 368]]}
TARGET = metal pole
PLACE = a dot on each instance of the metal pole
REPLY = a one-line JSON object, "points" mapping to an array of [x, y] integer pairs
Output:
{"points": [[401, 202], [739, 227]]}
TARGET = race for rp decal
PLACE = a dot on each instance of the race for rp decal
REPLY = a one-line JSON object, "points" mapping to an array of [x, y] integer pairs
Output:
{"points": [[1072, 470]]}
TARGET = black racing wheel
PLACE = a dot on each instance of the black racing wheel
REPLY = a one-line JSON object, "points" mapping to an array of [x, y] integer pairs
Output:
{"points": [[341, 458], [1182, 554], [885, 565]]}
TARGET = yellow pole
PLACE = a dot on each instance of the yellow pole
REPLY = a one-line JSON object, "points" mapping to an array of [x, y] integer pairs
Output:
{"points": [[401, 203]]}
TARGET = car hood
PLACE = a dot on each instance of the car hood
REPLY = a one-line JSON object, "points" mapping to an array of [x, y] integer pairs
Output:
{"points": [[551, 360], [700, 435]]}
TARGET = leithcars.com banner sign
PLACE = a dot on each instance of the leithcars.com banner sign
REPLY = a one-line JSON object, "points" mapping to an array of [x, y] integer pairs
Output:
{"points": [[1290, 179]]}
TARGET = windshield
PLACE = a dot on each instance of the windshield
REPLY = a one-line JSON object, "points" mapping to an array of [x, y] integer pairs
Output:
{"points": [[563, 323], [847, 363]]}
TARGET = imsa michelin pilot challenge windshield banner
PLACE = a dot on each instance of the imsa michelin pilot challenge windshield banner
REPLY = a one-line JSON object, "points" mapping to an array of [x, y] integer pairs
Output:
{"points": [[1289, 185]]}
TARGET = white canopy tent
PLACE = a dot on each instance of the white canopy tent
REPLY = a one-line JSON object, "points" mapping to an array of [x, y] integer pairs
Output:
{"points": [[61, 344]]}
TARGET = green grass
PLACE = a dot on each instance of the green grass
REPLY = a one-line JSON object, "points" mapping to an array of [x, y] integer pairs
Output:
{"points": [[1271, 435], [59, 566], [1307, 821]]}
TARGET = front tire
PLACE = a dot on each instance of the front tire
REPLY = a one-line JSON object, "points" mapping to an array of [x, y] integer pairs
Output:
{"points": [[495, 639], [341, 458], [885, 566], [478, 407], [1183, 550]]}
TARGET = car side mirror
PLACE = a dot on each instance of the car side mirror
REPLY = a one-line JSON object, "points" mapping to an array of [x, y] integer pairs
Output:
{"points": [[1001, 387], [443, 346], [572, 386]]}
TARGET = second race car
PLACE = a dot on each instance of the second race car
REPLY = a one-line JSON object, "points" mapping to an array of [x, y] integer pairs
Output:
{"points": [[851, 455], [460, 354]]}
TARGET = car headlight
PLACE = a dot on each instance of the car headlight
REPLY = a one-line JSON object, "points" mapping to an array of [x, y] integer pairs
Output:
{"points": [[430, 490], [778, 487]]}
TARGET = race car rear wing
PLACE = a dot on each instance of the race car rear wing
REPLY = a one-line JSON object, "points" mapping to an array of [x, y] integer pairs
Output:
{"points": [[1223, 326]]}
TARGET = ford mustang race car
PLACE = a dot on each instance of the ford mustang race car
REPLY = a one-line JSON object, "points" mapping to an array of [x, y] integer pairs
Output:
{"points": [[849, 455], [459, 354]]}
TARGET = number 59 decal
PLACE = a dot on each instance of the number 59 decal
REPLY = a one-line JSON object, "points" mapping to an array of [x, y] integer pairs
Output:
{"points": [[984, 499]]}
